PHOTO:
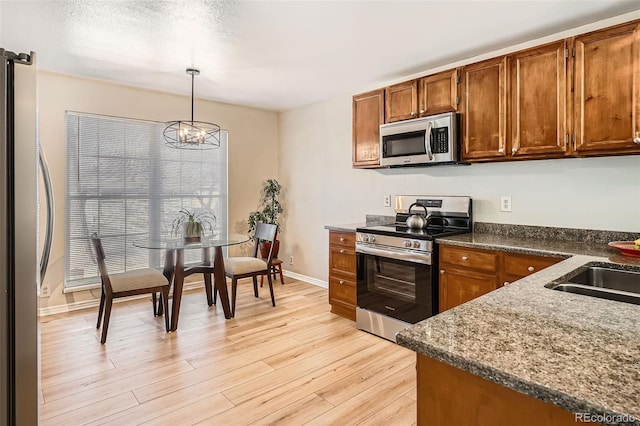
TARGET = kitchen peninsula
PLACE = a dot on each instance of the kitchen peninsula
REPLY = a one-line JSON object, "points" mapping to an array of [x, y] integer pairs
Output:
{"points": [[524, 354]]}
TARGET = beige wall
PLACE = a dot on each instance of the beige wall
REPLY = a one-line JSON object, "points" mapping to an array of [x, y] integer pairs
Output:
{"points": [[315, 166], [253, 145]]}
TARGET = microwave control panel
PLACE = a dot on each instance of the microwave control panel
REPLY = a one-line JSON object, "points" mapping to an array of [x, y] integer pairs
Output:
{"points": [[440, 140]]}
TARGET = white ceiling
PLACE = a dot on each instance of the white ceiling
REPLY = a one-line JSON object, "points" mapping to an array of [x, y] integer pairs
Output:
{"points": [[276, 54]]}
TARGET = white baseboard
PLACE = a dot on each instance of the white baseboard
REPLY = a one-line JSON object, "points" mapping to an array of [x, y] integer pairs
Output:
{"points": [[305, 278], [94, 303]]}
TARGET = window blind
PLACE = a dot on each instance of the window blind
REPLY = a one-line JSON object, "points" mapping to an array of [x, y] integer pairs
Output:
{"points": [[124, 183]]}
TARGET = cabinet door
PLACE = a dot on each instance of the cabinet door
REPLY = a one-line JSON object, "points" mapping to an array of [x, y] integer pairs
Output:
{"points": [[607, 96], [438, 93], [368, 115], [458, 286], [484, 110], [538, 101], [401, 101]]}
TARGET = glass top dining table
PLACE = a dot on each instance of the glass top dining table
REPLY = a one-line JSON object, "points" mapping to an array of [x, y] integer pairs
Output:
{"points": [[175, 270]]}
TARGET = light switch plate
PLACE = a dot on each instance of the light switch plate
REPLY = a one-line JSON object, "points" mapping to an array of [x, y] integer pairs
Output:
{"points": [[505, 203]]}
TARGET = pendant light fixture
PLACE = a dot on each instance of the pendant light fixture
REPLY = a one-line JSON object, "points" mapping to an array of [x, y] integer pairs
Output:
{"points": [[183, 134]]}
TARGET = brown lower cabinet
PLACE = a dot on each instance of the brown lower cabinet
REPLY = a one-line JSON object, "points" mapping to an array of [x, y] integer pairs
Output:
{"points": [[467, 273], [450, 396], [342, 273]]}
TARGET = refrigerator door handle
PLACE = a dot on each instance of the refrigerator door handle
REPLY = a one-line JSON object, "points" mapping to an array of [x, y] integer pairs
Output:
{"points": [[48, 237]]}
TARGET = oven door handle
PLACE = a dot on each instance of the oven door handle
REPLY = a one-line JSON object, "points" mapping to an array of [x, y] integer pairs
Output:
{"points": [[407, 256]]}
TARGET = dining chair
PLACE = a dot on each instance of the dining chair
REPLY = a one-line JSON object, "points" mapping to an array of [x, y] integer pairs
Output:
{"points": [[251, 267], [139, 281]]}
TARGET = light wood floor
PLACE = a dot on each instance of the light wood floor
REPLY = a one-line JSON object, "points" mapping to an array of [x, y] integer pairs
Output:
{"points": [[295, 364]]}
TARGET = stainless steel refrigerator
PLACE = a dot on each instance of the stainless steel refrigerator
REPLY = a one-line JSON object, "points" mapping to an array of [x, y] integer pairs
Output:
{"points": [[18, 233]]}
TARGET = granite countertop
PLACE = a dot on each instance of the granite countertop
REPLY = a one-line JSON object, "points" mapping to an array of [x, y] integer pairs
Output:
{"points": [[349, 227], [580, 353]]}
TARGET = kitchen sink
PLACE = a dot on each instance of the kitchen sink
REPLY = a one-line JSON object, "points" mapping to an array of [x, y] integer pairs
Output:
{"points": [[605, 283]]}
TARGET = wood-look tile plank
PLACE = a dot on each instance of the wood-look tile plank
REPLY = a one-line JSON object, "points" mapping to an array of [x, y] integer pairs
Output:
{"points": [[192, 413], [87, 413], [400, 412], [370, 401], [102, 391], [297, 413]]}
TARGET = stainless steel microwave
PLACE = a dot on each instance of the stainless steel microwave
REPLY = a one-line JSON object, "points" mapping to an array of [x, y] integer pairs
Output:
{"points": [[427, 140]]}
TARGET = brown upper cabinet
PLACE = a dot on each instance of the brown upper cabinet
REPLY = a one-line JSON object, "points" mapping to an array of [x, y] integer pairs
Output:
{"points": [[484, 110], [368, 115], [401, 101], [607, 92], [539, 101], [429, 95], [438, 93]]}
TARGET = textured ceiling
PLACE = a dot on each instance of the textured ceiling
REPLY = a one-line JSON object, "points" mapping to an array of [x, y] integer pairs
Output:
{"points": [[276, 54]]}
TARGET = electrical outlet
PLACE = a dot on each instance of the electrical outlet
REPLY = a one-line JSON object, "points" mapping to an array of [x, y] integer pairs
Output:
{"points": [[505, 204], [44, 290], [290, 260], [387, 201]]}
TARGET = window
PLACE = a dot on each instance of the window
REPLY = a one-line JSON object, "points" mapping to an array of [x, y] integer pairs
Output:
{"points": [[125, 184]]}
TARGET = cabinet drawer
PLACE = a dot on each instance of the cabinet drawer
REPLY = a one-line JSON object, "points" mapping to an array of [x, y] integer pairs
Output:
{"points": [[342, 261], [480, 260], [342, 290], [343, 239], [521, 265]]}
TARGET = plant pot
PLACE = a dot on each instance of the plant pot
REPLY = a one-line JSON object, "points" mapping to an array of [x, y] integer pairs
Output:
{"points": [[191, 231], [266, 245]]}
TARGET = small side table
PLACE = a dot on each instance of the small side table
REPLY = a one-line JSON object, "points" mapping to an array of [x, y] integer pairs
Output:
{"points": [[276, 268]]}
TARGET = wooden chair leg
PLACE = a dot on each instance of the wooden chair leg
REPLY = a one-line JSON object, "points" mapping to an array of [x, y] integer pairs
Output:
{"points": [[234, 287], [154, 300], [281, 277], [215, 294], [207, 287], [107, 317], [255, 285], [273, 299], [161, 309], [261, 279], [101, 310], [165, 304]]}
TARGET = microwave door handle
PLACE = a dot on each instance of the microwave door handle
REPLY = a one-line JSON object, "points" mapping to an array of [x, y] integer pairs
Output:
{"points": [[427, 140]]}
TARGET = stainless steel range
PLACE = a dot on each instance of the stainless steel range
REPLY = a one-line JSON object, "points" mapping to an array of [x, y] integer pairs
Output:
{"points": [[397, 279]]}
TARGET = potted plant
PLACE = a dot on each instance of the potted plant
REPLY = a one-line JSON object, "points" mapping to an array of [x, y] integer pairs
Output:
{"points": [[270, 210], [193, 224]]}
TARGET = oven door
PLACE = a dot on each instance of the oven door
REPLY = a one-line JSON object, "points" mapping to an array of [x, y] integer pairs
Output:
{"points": [[396, 283]]}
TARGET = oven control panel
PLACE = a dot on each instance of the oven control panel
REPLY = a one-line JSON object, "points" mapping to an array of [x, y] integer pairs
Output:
{"points": [[396, 242]]}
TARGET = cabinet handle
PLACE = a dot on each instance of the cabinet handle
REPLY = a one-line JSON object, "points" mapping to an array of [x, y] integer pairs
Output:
{"points": [[531, 269], [421, 111], [413, 113], [506, 283], [465, 258], [441, 271], [342, 239], [514, 150], [636, 140], [341, 250], [501, 150], [341, 282]]}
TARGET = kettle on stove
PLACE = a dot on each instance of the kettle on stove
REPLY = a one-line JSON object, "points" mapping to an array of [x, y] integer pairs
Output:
{"points": [[418, 221]]}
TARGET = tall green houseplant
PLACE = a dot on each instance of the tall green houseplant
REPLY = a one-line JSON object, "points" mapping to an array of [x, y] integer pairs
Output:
{"points": [[270, 210], [270, 207]]}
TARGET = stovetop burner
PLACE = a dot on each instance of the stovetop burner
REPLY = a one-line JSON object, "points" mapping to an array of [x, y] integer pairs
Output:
{"points": [[403, 231]]}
